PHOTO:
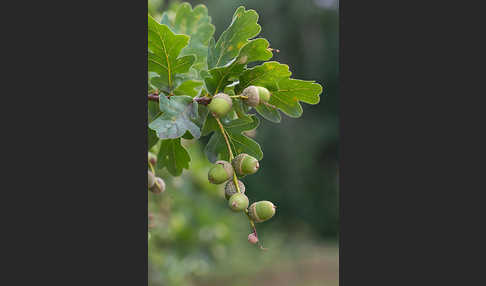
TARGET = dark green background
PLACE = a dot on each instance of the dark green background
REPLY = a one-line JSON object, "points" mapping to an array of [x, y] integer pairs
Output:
{"points": [[300, 166]]}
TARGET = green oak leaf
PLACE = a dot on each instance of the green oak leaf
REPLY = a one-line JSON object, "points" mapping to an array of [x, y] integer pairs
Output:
{"points": [[216, 149], [254, 50], [269, 113], [152, 138], [195, 23], [178, 114], [164, 49], [286, 92], [173, 156], [243, 27], [189, 87]]}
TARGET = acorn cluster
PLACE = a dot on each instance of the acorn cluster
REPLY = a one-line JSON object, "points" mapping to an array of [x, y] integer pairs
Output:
{"points": [[253, 96], [241, 165], [155, 184]]}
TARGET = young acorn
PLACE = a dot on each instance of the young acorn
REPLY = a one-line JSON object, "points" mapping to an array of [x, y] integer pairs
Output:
{"points": [[261, 211], [230, 188], [220, 104], [151, 179], [263, 93], [158, 187], [238, 202], [256, 95], [221, 172], [152, 158], [252, 238], [252, 93], [245, 164]]}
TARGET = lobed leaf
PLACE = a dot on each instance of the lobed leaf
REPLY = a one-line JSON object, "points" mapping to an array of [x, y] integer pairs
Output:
{"points": [[286, 92], [196, 24], [164, 49], [173, 156], [254, 50], [216, 148], [243, 27], [178, 114]]}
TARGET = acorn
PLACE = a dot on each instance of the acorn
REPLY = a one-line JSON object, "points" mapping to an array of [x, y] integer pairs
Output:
{"points": [[252, 238], [152, 158], [263, 93], [158, 187], [261, 211], [245, 164], [238, 202], [220, 104], [230, 188], [151, 179], [221, 172], [252, 93]]}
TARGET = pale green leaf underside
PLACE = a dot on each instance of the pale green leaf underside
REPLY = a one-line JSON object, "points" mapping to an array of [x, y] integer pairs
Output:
{"points": [[178, 114]]}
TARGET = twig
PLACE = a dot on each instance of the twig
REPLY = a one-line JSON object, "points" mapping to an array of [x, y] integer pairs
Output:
{"points": [[200, 100], [235, 179]]}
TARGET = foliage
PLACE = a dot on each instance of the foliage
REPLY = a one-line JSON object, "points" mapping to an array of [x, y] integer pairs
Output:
{"points": [[191, 217], [182, 51]]}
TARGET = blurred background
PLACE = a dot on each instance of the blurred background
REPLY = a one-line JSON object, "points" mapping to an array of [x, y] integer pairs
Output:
{"points": [[195, 240]]}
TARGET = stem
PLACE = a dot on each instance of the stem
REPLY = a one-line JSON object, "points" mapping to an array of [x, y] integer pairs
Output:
{"points": [[235, 179], [239, 96]]}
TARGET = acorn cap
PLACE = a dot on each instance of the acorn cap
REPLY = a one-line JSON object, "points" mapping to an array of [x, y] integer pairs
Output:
{"points": [[263, 93], [252, 93], [238, 202], [261, 211], [245, 164], [151, 179], [158, 187], [220, 172], [220, 104], [230, 188]]}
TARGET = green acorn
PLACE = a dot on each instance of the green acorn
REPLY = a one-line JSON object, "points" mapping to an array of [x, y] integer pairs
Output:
{"points": [[238, 202], [220, 104], [263, 93], [221, 172], [261, 211], [151, 179], [245, 164], [158, 187], [252, 93], [230, 188]]}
